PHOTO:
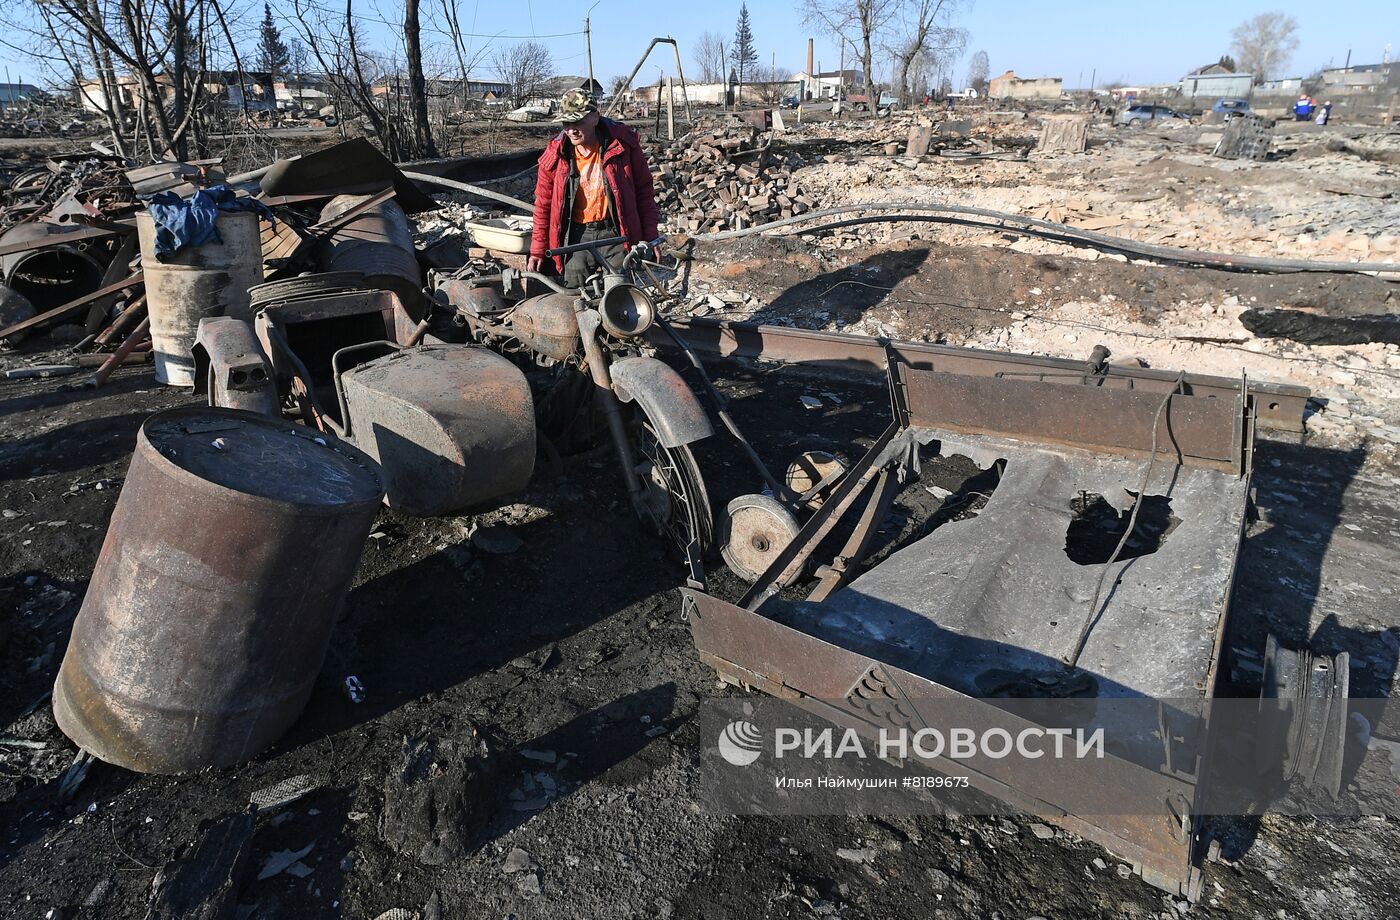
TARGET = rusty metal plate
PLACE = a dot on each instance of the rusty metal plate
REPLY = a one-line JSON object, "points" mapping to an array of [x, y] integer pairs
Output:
{"points": [[1280, 406], [753, 650], [1201, 430]]}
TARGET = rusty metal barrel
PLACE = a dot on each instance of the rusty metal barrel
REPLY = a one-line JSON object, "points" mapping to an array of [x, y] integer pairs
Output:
{"points": [[228, 558], [53, 274], [197, 281], [378, 244]]}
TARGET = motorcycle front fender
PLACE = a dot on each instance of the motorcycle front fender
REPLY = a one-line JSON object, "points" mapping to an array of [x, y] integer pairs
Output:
{"points": [[669, 404]]}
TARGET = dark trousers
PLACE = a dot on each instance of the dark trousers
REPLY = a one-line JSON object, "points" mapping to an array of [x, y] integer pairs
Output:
{"points": [[579, 265]]}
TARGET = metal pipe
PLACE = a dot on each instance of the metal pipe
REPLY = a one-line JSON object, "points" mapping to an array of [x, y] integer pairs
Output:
{"points": [[118, 356], [141, 354], [258, 173], [135, 309], [685, 93], [416, 336], [598, 368], [1031, 225], [471, 190]]}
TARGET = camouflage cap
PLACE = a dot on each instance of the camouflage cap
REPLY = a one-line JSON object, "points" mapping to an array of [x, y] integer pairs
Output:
{"points": [[575, 106]]}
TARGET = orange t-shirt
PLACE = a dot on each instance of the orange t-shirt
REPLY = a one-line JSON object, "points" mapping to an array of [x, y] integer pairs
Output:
{"points": [[591, 200]]}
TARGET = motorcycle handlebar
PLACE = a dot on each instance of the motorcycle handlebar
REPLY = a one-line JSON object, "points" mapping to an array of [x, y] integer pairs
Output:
{"points": [[580, 247]]}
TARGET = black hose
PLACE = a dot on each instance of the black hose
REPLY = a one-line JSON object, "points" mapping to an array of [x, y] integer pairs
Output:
{"points": [[1035, 226]]}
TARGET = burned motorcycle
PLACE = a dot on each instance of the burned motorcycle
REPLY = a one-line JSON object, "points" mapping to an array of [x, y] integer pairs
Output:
{"points": [[597, 346], [591, 347]]}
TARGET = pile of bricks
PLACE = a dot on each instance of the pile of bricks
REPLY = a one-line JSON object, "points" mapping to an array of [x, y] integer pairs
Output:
{"points": [[725, 179]]}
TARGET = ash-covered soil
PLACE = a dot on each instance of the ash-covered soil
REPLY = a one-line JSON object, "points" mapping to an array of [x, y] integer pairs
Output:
{"points": [[570, 656]]}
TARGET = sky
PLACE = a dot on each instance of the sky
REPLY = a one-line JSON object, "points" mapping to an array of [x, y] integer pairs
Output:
{"points": [[1071, 39]]}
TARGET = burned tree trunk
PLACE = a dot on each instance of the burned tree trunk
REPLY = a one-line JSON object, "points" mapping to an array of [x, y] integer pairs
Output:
{"points": [[417, 86]]}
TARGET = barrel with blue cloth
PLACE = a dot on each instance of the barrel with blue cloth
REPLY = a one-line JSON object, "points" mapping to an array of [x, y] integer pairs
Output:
{"points": [[199, 257]]}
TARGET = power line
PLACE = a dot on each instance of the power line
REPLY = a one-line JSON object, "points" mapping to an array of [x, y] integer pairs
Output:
{"points": [[340, 14]]}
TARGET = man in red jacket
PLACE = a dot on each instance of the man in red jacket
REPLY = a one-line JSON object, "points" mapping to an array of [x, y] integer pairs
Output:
{"points": [[594, 183]]}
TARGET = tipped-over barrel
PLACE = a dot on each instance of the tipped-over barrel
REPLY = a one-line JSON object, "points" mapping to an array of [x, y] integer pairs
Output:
{"points": [[230, 552]]}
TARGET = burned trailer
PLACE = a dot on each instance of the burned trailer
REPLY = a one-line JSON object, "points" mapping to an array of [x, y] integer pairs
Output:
{"points": [[978, 619]]}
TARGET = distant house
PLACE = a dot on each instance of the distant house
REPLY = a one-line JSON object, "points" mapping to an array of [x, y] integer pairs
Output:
{"points": [[714, 93], [1286, 85], [1211, 70], [92, 97], [17, 93], [253, 87], [1010, 86], [555, 87], [1216, 81], [825, 85], [303, 91], [1363, 78], [473, 90]]}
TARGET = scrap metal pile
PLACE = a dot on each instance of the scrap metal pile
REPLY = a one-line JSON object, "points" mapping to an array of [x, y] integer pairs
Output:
{"points": [[80, 253]]}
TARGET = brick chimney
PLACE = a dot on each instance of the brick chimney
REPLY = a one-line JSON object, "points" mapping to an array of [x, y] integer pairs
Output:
{"points": [[809, 58]]}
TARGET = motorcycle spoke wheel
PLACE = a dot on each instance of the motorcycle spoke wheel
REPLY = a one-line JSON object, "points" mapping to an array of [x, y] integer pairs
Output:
{"points": [[674, 501]]}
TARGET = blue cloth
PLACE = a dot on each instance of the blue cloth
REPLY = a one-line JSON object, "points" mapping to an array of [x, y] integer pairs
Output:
{"points": [[180, 223]]}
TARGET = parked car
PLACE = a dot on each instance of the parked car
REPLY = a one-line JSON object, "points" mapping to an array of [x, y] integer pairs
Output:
{"points": [[1142, 114], [789, 102], [888, 102], [1229, 107]]}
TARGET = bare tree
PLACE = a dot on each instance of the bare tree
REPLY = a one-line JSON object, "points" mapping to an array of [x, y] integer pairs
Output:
{"points": [[709, 57], [1262, 45], [423, 144], [978, 70], [859, 22], [468, 59], [524, 67], [335, 44], [771, 84], [298, 60], [925, 30], [162, 44]]}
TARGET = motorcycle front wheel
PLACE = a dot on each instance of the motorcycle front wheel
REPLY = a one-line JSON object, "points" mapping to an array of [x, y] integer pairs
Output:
{"points": [[674, 503]]}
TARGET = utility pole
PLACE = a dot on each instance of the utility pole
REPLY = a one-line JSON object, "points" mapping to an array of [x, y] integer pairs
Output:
{"points": [[1093, 79], [841, 73], [588, 42]]}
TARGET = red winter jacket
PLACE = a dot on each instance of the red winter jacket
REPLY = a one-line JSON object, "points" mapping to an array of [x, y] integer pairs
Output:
{"points": [[632, 198]]}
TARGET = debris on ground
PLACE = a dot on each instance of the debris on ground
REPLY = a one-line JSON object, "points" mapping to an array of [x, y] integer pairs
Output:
{"points": [[513, 581]]}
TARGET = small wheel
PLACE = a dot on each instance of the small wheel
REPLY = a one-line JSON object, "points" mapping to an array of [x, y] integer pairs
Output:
{"points": [[757, 529], [674, 501], [810, 468]]}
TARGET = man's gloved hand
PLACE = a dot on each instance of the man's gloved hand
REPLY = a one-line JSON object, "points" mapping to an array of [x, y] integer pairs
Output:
{"points": [[649, 250]]}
